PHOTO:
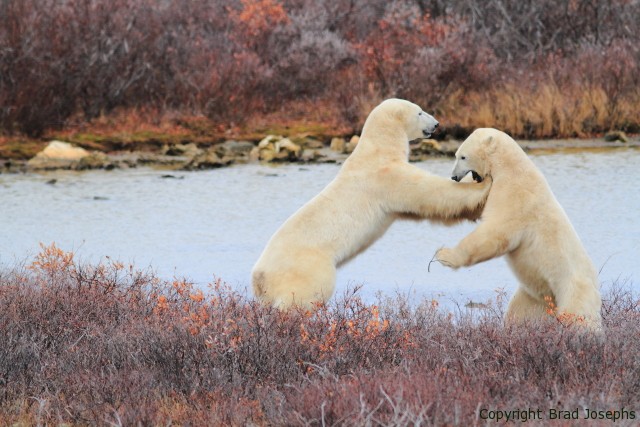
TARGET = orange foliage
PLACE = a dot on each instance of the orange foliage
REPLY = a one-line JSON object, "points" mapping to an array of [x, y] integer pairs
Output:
{"points": [[328, 335], [564, 318], [257, 17], [398, 37], [162, 304], [52, 260]]}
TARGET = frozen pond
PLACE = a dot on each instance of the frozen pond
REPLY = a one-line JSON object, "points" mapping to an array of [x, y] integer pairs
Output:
{"points": [[215, 223]]}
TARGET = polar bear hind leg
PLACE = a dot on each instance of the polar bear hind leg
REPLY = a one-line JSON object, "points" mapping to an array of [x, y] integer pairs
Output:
{"points": [[524, 307], [581, 301], [310, 281]]}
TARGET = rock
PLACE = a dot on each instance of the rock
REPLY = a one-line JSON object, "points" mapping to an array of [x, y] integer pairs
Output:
{"points": [[156, 159], [95, 160], [13, 165], [275, 148], [351, 145], [57, 155], [309, 142], [125, 160], [338, 144], [616, 135], [310, 155], [306, 141], [267, 140], [254, 154], [59, 150], [208, 160], [286, 144], [430, 146], [266, 149], [267, 155], [238, 147], [187, 150], [425, 148]]}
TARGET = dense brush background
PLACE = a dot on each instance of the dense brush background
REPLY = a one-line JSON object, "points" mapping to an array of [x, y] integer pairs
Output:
{"points": [[542, 68]]}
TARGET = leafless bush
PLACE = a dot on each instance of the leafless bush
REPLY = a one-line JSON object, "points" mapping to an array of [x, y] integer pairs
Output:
{"points": [[91, 56], [85, 58], [527, 29], [228, 60]]}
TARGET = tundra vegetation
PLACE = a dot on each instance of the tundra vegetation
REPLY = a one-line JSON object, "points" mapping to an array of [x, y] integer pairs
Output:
{"points": [[108, 344], [141, 70]]}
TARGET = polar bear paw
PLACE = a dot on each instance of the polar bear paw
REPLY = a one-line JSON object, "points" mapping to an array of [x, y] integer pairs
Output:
{"points": [[448, 257]]}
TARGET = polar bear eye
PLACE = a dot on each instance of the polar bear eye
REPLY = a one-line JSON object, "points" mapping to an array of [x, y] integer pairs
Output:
{"points": [[420, 113], [463, 158]]}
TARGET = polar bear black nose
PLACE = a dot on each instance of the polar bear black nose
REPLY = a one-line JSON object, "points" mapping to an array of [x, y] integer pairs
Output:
{"points": [[436, 125]]}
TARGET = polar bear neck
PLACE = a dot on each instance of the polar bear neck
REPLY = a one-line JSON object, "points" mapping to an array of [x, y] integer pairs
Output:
{"points": [[384, 136], [510, 157]]}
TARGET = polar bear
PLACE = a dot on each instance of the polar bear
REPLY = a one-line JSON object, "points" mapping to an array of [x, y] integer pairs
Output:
{"points": [[374, 186], [523, 220]]}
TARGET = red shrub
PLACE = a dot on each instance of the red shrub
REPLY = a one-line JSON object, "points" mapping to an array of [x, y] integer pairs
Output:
{"points": [[87, 58], [86, 344]]}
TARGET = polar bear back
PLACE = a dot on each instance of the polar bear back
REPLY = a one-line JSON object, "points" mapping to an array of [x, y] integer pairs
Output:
{"points": [[324, 224]]}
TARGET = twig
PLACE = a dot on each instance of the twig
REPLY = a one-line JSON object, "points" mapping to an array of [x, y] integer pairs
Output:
{"points": [[433, 259]]}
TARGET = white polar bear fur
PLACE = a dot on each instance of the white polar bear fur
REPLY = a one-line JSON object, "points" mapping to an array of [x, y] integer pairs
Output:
{"points": [[523, 220], [375, 186]]}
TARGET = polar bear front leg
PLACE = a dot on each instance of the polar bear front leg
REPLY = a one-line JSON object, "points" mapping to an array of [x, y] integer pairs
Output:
{"points": [[449, 258], [408, 189], [484, 243]]}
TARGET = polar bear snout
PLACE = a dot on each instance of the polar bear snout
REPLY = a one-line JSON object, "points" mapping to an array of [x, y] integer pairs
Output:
{"points": [[463, 166], [427, 123], [459, 172], [431, 129], [475, 175]]}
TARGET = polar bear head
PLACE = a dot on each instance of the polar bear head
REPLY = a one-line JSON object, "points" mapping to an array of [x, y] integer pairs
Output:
{"points": [[475, 153], [395, 113]]}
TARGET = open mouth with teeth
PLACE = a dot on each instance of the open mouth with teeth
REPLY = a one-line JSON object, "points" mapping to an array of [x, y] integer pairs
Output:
{"points": [[475, 175]]}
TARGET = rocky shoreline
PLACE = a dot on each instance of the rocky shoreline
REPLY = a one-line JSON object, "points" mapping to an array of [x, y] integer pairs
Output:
{"points": [[271, 149]]}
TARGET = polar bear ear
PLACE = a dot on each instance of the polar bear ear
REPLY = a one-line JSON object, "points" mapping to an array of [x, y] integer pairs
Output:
{"points": [[399, 113], [490, 145]]}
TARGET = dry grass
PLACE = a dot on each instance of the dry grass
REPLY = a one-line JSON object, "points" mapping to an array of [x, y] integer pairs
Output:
{"points": [[544, 111], [108, 344]]}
